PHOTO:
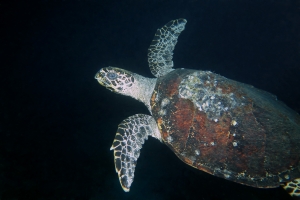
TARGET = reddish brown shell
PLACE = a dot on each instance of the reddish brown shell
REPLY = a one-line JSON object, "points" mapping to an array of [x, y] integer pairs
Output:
{"points": [[256, 142]]}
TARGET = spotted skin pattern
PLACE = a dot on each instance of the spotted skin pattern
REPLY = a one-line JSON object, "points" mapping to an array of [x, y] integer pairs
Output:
{"points": [[160, 52], [115, 79], [293, 188], [130, 137]]}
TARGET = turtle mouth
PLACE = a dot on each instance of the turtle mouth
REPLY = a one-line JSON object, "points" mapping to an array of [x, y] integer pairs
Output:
{"points": [[102, 81], [99, 77]]}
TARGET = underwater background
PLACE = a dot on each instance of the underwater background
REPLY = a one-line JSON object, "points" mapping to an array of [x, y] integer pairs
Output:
{"points": [[57, 123]]}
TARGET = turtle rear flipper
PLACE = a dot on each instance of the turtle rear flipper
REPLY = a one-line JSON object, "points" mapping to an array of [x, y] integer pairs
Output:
{"points": [[130, 137], [293, 188]]}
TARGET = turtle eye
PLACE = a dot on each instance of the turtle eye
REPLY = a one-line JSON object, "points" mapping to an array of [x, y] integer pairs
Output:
{"points": [[112, 76]]}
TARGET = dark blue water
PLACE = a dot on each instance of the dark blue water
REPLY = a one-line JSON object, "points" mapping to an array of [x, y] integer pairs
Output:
{"points": [[57, 123]]}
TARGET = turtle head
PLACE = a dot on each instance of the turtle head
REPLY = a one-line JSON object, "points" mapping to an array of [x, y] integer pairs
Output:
{"points": [[127, 83], [115, 79]]}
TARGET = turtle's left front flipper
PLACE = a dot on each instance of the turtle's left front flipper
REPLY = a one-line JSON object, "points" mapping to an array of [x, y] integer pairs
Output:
{"points": [[130, 137], [293, 188], [160, 52]]}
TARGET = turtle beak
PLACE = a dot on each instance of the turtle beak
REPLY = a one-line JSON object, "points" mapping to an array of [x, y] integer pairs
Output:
{"points": [[99, 77]]}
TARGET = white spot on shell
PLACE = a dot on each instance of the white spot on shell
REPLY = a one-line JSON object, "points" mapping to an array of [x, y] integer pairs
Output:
{"points": [[207, 103], [192, 158], [286, 176], [156, 97], [169, 139], [212, 143], [226, 175], [234, 144], [234, 123], [200, 108], [162, 112], [165, 102], [216, 120], [197, 152]]}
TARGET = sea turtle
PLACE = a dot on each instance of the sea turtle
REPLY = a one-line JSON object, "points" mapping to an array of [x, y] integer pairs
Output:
{"points": [[225, 128]]}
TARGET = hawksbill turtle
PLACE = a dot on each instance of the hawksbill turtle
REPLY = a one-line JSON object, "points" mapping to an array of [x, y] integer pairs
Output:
{"points": [[223, 127]]}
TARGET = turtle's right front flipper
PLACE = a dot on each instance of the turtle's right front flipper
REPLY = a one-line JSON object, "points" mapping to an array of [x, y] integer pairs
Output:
{"points": [[130, 137]]}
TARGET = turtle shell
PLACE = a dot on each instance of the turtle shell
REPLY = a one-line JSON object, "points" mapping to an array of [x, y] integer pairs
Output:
{"points": [[226, 128]]}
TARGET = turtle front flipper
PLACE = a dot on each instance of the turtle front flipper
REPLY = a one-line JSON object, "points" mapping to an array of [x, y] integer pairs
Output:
{"points": [[293, 188], [160, 52], [130, 137]]}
